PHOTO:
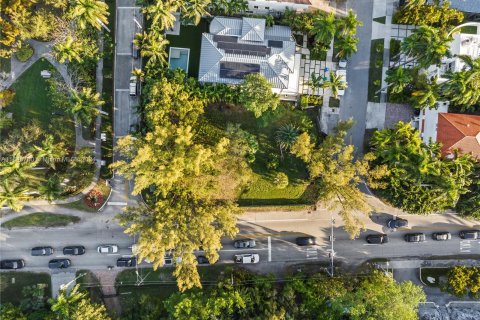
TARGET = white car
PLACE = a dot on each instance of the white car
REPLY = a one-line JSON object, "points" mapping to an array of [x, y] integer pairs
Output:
{"points": [[133, 86], [246, 258], [342, 63], [342, 73], [107, 248]]}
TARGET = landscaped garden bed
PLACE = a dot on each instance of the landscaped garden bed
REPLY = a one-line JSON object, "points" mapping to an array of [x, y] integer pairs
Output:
{"points": [[375, 71]]}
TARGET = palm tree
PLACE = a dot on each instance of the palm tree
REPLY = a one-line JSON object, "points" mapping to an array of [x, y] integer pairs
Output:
{"points": [[286, 136], [415, 3], [462, 89], [85, 104], [324, 28], [139, 74], [90, 12], [346, 46], [196, 9], [12, 196], [160, 14], [398, 79], [152, 45], [427, 46], [49, 151], [51, 189], [335, 83], [69, 50], [427, 95], [315, 82], [18, 166], [349, 24]]}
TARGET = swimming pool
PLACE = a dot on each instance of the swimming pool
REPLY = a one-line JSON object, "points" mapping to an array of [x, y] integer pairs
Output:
{"points": [[178, 58]]}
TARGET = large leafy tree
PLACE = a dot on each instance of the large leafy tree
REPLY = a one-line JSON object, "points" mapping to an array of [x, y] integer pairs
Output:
{"points": [[462, 87], [427, 45], [426, 94], [398, 79], [89, 12], [338, 175], [256, 95], [420, 181], [434, 14], [324, 28], [469, 203], [184, 212]]}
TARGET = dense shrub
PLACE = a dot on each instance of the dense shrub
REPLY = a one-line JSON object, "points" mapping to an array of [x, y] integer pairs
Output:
{"points": [[24, 53]]}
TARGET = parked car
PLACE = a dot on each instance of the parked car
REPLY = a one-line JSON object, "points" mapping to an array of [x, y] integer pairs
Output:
{"points": [[12, 264], [246, 258], [133, 86], [441, 236], [59, 263], [415, 237], [342, 63], [135, 51], [169, 260], [377, 238], [470, 234], [342, 74], [42, 251], [305, 241], [202, 260], [397, 223], [127, 262], [74, 250], [244, 243], [107, 248]]}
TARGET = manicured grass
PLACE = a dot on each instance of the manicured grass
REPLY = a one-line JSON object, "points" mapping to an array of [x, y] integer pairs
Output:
{"points": [[375, 71], [12, 291], [262, 190], [435, 273], [31, 99], [41, 219], [380, 19], [469, 29], [190, 37]]}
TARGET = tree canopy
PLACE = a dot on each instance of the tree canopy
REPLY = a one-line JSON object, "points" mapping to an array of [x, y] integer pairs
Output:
{"points": [[420, 181], [256, 95]]}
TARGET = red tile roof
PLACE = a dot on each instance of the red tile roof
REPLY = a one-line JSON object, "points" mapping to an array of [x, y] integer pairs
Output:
{"points": [[459, 131]]}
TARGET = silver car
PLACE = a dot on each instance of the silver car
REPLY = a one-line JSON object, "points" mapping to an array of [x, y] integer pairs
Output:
{"points": [[244, 244], [107, 248]]}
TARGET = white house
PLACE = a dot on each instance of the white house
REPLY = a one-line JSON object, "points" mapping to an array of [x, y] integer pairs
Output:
{"points": [[276, 6]]}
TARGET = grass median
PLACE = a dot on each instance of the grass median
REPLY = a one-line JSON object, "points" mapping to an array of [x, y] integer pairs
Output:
{"points": [[41, 219]]}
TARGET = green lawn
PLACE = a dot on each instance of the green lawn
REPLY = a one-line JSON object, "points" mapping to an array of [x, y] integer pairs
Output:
{"points": [[434, 273], [469, 29], [12, 283], [41, 219], [31, 100], [375, 71], [190, 37], [262, 191]]}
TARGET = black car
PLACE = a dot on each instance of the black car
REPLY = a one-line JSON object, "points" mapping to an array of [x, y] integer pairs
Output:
{"points": [[305, 241], [12, 264], [377, 238], [127, 262], [470, 234], [42, 251], [441, 236], [415, 237], [202, 260], [74, 250], [59, 263], [397, 223]]}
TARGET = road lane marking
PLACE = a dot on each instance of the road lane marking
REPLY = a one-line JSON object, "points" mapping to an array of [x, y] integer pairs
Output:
{"points": [[240, 250], [123, 53], [115, 203], [129, 8], [122, 90], [269, 249]]}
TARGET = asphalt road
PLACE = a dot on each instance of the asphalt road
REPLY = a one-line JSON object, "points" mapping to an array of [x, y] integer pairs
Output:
{"points": [[275, 241], [354, 103]]}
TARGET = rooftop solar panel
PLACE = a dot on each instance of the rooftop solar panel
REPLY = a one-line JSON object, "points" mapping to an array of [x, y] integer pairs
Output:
{"points": [[275, 43], [220, 38], [237, 70], [242, 48]]}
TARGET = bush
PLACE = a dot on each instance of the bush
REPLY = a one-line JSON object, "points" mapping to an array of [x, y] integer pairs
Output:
{"points": [[281, 180], [310, 100], [273, 161], [394, 49], [24, 53], [379, 47]]}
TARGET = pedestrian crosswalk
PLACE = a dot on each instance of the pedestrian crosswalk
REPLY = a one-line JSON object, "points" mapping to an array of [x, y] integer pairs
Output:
{"points": [[465, 246], [311, 253]]}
